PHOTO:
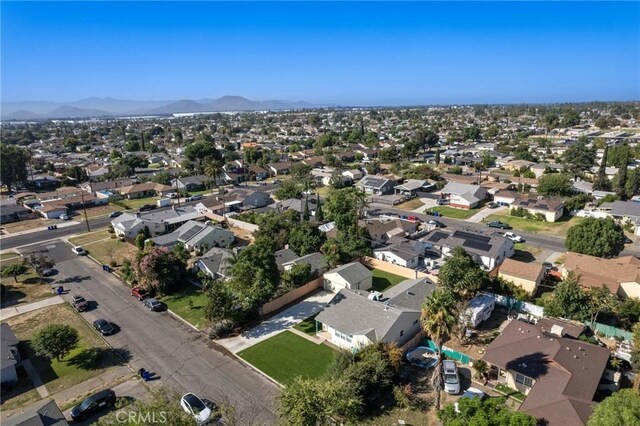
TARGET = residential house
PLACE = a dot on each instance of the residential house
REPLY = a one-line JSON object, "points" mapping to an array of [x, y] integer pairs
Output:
{"points": [[621, 275], [316, 260], [316, 162], [540, 169], [44, 414], [558, 375], [43, 181], [196, 236], [159, 222], [411, 187], [352, 276], [380, 231], [352, 320], [374, 184], [190, 183], [257, 172], [97, 170], [294, 204], [148, 189], [107, 185], [285, 256], [518, 165], [11, 212], [464, 196], [353, 174], [239, 199], [402, 253], [217, 263], [487, 250], [551, 209], [60, 193], [52, 211], [505, 197], [526, 275], [280, 168], [10, 354], [624, 211]]}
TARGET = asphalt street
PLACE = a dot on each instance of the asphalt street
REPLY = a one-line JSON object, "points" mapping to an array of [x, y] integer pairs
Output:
{"points": [[158, 342]]}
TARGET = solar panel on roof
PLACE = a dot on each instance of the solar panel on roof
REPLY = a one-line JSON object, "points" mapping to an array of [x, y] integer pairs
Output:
{"points": [[191, 232]]}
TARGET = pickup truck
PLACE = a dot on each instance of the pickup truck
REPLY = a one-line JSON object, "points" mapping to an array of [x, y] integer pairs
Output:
{"points": [[79, 303]]}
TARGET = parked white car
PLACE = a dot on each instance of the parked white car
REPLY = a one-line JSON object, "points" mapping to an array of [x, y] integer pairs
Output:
{"points": [[513, 237], [451, 377], [193, 405], [78, 250], [64, 217]]}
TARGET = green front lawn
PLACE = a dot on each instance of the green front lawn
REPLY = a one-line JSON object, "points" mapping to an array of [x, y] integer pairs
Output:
{"points": [[178, 303], [558, 228], [138, 202], [307, 326], [383, 280], [446, 211], [89, 359], [286, 356]]}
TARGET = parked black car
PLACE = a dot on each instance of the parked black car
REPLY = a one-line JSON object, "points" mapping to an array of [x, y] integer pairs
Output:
{"points": [[93, 404], [104, 327], [115, 214], [147, 207]]}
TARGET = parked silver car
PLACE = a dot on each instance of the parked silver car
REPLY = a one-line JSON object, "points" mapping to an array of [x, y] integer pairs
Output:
{"points": [[451, 377]]}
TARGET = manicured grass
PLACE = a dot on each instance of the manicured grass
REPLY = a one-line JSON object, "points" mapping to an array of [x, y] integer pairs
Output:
{"points": [[307, 326], [28, 288], [75, 367], [139, 202], [411, 205], [383, 280], [558, 228], [90, 237], [286, 356], [455, 213], [179, 304], [8, 255]]}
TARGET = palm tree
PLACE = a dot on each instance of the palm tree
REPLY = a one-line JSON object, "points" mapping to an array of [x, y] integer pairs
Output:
{"points": [[212, 169], [438, 320]]}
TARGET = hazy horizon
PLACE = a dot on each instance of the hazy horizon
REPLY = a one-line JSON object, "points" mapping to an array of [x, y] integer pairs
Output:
{"points": [[355, 54]]}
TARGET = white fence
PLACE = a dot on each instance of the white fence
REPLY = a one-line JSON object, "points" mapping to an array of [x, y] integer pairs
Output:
{"points": [[518, 305]]}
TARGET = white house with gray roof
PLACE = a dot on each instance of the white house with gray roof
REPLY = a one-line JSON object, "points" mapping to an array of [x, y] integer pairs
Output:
{"points": [[402, 253], [129, 225], [9, 353], [464, 196], [374, 184], [352, 320], [196, 236], [352, 276], [487, 250], [316, 260]]}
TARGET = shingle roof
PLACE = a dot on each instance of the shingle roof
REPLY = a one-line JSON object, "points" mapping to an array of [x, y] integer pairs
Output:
{"points": [[595, 271], [47, 414], [351, 272], [8, 340], [514, 268], [316, 260]]}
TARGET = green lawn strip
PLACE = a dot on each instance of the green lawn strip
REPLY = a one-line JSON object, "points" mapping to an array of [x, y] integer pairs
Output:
{"points": [[558, 228], [286, 356], [138, 202], [384, 280], [307, 326], [8, 256], [89, 237], [178, 303], [455, 213]]}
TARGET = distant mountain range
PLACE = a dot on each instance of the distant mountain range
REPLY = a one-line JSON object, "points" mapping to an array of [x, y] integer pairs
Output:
{"points": [[105, 107]]}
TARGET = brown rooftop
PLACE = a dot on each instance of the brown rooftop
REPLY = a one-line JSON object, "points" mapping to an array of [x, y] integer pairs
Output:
{"points": [[528, 271], [595, 271]]}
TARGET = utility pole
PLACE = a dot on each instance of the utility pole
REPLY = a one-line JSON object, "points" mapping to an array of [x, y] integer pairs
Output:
{"points": [[84, 206]]}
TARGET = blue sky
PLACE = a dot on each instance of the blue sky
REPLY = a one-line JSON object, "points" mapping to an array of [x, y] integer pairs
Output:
{"points": [[348, 53]]}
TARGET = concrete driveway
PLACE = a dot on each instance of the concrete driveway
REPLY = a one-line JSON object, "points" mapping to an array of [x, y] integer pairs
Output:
{"points": [[183, 359], [278, 323]]}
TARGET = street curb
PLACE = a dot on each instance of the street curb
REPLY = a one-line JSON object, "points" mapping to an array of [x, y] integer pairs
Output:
{"points": [[184, 320], [257, 370]]}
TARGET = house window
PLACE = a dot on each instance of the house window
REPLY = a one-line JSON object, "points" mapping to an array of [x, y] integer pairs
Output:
{"points": [[524, 380]]}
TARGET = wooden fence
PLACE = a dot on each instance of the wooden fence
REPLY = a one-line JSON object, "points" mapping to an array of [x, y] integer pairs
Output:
{"points": [[373, 263], [291, 296]]}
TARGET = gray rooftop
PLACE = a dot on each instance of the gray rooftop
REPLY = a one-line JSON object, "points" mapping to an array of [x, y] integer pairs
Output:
{"points": [[43, 414], [8, 340], [316, 260], [475, 242], [285, 255], [410, 294], [351, 272]]}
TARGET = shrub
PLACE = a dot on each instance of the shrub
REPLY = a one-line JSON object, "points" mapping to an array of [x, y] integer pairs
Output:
{"points": [[221, 329]]}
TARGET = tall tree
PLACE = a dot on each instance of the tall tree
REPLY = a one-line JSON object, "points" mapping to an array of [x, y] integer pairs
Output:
{"points": [[213, 169], [621, 408], [554, 184], [601, 181], [13, 271], [486, 412], [632, 185], [13, 165], [578, 158], [596, 237], [438, 321], [569, 300], [601, 300], [622, 176], [319, 213], [462, 275], [306, 238], [55, 341]]}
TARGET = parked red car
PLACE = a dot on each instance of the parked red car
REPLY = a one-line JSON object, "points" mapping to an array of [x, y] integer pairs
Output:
{"points": [[139, 293], [413, 218]]}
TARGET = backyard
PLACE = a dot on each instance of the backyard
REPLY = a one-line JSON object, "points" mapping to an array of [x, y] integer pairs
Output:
{"points": [[384, 280], [455, 213], [286, 356], [558, 228], [90, 358], [26, 290], [189, 304]]}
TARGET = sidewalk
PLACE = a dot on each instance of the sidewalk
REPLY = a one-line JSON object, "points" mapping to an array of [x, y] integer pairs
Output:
{"points": [[278, 323], [12, 311], [64, 224], [484, 213]]}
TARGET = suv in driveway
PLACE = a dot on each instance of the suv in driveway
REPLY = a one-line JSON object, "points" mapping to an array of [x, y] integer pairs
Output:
{"points": [[451, 377], [498, 224]]}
